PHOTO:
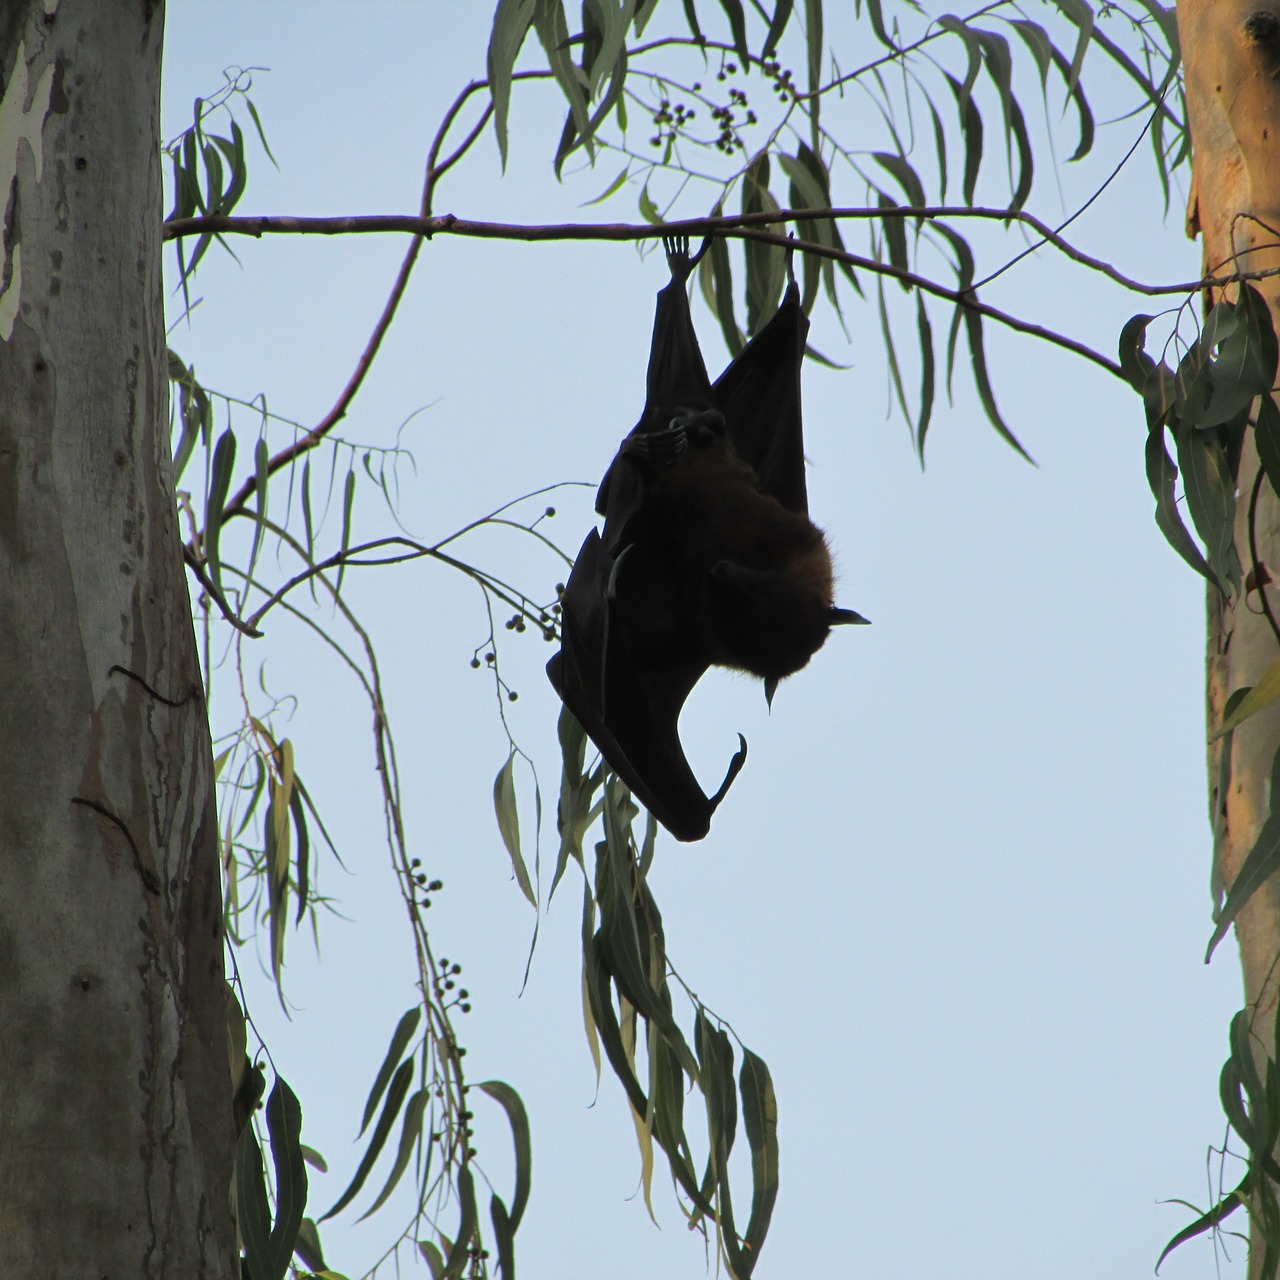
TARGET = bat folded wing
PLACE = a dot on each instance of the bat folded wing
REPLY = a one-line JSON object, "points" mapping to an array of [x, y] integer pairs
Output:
{"points": [[630, 713]]}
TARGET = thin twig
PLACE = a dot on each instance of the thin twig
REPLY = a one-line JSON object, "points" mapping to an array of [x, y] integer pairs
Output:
{"points": [[214, 594], [434, 171]]}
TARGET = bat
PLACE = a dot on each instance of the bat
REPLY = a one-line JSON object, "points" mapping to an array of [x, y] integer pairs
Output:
{"points": [[707, 555]]}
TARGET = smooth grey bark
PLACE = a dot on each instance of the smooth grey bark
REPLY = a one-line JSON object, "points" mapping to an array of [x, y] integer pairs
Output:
{"points": [[1231, 52], [115, 1120]]}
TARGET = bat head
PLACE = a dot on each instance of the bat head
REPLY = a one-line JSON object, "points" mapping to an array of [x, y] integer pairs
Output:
{"points": [[764, 621]]}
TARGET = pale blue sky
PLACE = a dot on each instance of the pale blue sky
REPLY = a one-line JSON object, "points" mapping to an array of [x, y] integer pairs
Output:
{"points": [[959, 898]]}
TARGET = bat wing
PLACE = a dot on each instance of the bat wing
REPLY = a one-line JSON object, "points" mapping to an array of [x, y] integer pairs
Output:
{"points": [[628, 658], [759, 395], [630, 709]]}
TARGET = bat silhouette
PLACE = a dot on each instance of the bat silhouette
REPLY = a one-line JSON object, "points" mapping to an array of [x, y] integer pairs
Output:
{"points": [[707, 555]]}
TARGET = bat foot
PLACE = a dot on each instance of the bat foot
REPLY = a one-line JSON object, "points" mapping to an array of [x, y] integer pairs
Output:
{"points": [[701, 426], [659, 449]]}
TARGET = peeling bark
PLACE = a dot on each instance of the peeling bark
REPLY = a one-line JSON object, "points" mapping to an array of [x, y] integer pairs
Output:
{"points": [[115, 1119]]}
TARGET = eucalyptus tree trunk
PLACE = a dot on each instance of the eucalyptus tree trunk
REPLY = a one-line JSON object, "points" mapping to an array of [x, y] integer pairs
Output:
{"points": [[1231, 52], [115, 1117]]}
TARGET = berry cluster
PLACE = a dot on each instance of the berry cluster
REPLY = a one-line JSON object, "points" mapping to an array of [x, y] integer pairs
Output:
{"points": [[671, 118]]}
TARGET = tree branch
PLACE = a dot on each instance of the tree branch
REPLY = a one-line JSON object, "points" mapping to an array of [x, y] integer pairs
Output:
{"points": [[727, 225]]}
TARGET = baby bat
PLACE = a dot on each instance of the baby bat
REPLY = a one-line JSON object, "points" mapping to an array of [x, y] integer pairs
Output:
{"points": [[707, 555]]}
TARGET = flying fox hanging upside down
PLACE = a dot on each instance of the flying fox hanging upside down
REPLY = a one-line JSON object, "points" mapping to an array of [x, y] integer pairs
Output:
{"points": [[707, 555]]}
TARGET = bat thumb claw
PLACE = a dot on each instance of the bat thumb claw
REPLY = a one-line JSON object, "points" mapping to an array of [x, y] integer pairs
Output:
{"points": [[843, 617], [735, 768]]}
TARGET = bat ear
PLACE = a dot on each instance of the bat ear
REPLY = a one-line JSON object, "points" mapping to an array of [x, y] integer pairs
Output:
{"points": [[770, 688], [843, 617]]}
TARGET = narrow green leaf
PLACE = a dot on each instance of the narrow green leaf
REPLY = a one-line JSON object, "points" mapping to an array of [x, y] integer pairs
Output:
{"points": [[804, 193], [760, 1122], [766, 263], [253, 1212], [611, 189], [1240, 352], [239, 170], [982, 380], [224, 460], [781, 16], [814, 48], [432, 1257], [940, 151], [717, 285], [1262, 694], [604, 28], [1266, 435], [738, 25], [284, 1125], [1135, 364], [257, 124], [1208, 1221], [1026, 162], [212, 177], [1084, 114], [973, 49], [1247, 1073], [715, 1058], [400, 1038], [895, 237], [648, 210], [302, 859], [876, 14], [461, 1251], [906, 176], [1082, 15], [1263, 344], [1162, 476], [504, 804], [691, 17], [261, 486], [1229, 1096], [410, 1136], [348, 502], [999, 64], [971, 130], [518, 1118], [307, 1246], [1210, 494], [927, 373], [891, 350], [504, 1238], [553, 32], [1192, 387], [643, 13], [395, 1099], [1036, 39]]}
